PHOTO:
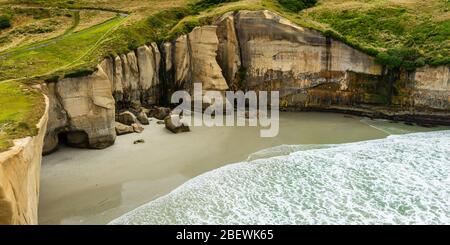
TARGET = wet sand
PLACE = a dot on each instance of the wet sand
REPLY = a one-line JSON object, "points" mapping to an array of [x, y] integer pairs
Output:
{"points": [[80, 186]]}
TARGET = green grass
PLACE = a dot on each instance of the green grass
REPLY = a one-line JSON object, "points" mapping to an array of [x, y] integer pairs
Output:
{"points": [[297, 5], [403, 36], [20, 110], [52, 55]]}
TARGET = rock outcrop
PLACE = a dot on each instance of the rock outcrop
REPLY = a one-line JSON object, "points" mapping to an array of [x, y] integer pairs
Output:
{"points": [[204, 46], [432, 87], [135, 76], [81, 112], [126, 118], [122, 129], [159, 112], [142, 118], [19, 178], [83, 109], [292, 60], [174, 125], [228, 54]]}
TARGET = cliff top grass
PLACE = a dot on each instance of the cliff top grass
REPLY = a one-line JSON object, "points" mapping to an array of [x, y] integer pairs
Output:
{"points": [[21, 107], [400, 33]]}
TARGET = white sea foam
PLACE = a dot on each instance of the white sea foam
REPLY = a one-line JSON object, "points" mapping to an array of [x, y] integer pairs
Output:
{"points": [[403, 179]]}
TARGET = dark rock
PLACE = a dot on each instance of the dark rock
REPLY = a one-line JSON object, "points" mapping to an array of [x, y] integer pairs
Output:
{"points": [[425, 125], [135, 106], [140, 141], [159, 112], [160, 122], [142, 117], [126, 118]]}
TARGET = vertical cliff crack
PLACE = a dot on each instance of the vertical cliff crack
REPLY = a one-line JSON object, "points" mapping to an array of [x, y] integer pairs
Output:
{"points": [[189, 77], [238, 39], [328, 57]]}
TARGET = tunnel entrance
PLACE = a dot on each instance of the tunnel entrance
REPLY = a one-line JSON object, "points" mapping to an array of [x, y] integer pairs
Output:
{"points": [[77, 139]]}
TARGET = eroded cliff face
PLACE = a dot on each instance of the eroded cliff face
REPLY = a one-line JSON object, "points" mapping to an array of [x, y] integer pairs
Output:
{"points": [[255, 50], [309, 69], [81, 112], [260, 50], [432, 87], [19, 178]]}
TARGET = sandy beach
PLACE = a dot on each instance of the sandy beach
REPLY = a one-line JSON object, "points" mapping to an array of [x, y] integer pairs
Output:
{"points": [[80, 186]]}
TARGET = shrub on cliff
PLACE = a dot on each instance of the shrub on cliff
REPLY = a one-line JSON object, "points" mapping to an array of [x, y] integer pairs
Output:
{"points": [[407, 58], [297, 5], [5, 22]]}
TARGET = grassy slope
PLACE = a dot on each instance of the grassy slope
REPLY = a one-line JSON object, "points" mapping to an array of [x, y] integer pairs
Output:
{"points": [[413, 30], [52, 55], [422, 27], [31, 25], [20, 110]]}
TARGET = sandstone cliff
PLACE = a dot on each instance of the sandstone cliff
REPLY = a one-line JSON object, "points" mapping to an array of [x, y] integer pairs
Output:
{"points": [[260, 50], [256, 50], [19, 177], [82, 111]]}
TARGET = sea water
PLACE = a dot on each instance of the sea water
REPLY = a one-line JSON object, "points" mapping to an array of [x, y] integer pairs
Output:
{"points": [[402, 179]]}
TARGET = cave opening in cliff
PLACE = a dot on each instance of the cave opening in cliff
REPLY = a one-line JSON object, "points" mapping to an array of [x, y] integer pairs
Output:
{"points": [[73, 139]]}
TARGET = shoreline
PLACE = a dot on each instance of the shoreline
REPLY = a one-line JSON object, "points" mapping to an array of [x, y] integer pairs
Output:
{"points": [[82, 186], [333, 184]]}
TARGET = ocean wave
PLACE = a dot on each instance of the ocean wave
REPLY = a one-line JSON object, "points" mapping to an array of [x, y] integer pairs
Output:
{"points": [[402, 179]]}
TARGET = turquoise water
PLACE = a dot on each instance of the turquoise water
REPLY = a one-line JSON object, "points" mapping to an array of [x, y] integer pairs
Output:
{"points": [[403, 179]]}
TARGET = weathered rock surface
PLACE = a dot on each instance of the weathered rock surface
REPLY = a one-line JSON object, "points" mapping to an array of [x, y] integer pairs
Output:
{"points": [[137, 127], [83, 110], [228, 53], [58, 119], [205, 69], [122, 129], [159, 112], [432, 87], [142, 118], [174, 125], [291, 57], [182, 63], [19, 178], [147, 70], [126, 118], [118, 80]]}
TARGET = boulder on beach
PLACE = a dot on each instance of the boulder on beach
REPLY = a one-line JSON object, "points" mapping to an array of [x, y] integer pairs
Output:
{"points": [[142, 118], [126, 118], [137, 127], [159, 112], [122, 129], [175, 126]]}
